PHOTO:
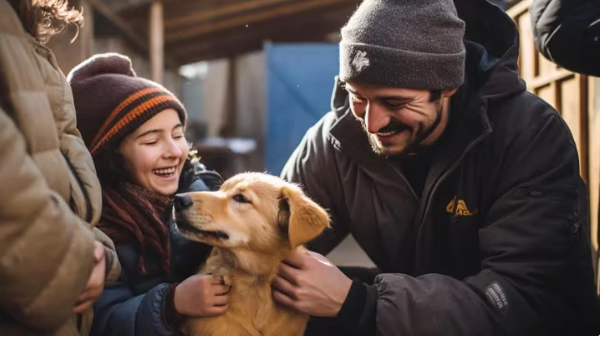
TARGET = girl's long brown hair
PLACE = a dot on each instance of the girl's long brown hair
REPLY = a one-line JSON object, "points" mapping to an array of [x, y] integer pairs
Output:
{"points": [[44, 18]]}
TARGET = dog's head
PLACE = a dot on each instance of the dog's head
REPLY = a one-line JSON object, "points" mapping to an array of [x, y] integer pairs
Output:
{"points": [[256, 211]]}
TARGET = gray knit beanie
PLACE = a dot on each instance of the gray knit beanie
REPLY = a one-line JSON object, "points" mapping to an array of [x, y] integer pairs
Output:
{"points": [[416, 44]]}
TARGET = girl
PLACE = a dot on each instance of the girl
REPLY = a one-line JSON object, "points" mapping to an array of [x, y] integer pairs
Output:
{"points": [[134, 129]]}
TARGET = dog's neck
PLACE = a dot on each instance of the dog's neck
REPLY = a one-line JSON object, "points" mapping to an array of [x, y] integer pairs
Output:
{"points": [[246, 264]]}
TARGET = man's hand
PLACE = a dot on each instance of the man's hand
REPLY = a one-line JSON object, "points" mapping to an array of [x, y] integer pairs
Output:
{"points": [[95, 283], [309, 283]]}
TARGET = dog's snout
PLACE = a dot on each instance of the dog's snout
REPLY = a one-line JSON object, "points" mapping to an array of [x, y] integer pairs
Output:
{"points": [[183, 201]]}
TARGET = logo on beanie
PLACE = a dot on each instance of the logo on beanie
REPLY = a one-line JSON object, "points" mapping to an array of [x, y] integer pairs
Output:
{"points": [[360, 61]]}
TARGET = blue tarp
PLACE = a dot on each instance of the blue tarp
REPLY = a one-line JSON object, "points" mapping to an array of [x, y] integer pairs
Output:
{"points": [[299, 82]]}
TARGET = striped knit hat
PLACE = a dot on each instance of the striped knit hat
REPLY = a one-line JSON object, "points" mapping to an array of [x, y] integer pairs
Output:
{"points": [[111, 101]]}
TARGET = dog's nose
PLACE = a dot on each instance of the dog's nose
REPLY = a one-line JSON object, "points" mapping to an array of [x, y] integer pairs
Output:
{"points": [[183, 201]]}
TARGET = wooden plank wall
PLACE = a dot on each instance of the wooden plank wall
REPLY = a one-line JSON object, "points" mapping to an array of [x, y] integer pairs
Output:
{"points": [[576, 97]]}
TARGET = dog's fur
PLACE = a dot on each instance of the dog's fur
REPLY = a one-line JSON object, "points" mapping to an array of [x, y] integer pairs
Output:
{"points": [[254, 221]]}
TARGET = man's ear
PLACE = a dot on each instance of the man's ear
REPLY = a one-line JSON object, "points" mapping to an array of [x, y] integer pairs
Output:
{"points": [[302, 217], [449, 92]]}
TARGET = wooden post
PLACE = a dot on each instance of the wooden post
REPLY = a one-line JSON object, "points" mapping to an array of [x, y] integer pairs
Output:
{"points": [[229, 128], [157, 57]]}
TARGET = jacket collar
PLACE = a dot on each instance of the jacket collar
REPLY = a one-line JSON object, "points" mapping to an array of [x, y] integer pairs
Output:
{"points": [[468, 124]]}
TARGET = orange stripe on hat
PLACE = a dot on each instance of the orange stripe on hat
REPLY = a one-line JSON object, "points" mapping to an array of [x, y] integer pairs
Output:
{"points": [[133, 114], [118, 109]]}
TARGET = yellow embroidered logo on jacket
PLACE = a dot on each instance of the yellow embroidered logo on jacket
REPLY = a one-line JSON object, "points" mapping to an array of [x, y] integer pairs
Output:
{"points": [[461, 208]]}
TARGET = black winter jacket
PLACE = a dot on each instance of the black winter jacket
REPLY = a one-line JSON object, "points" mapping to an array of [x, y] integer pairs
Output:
{"points": [[497, 242], [567, 32]]}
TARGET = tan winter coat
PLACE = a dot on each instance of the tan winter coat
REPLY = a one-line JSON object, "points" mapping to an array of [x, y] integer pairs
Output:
{"points": [[50, 197]]}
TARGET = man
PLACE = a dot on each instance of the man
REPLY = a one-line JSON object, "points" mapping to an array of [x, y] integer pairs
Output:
{"points": [[567, 32], [52, 265], [462, 187]]}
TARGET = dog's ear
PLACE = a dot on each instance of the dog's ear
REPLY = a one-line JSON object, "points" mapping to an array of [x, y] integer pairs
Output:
{"points": [[302, 217]]}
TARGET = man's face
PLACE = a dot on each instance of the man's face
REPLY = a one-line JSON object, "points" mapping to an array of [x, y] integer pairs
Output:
{"points": [[397, 120]]}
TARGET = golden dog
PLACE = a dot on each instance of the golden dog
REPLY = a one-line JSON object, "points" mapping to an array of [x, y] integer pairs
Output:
{"points": [[254, 221]]}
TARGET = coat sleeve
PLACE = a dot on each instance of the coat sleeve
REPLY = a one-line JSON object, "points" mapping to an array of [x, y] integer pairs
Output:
{"points": [[46, 251], [566, 32], [120, 312], [312, 167], [534, 248]]}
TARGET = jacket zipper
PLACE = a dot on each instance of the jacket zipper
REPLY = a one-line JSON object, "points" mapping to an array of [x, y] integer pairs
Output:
{"points": [[412, 191], [88, 203], [437, 185]]}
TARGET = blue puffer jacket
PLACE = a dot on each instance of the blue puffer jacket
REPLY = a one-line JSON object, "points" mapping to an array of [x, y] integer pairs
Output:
{"points": [[134, 306]]}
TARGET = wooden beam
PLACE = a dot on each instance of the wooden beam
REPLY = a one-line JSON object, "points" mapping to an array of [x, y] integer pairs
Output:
{"points": [[548, 79], [211, 15], [279, 28], [140, 42], [214, 51], [283, 29], [217, 50], [157, 49], [226, 49], [304, 5], [137, 39], [225, 44]]}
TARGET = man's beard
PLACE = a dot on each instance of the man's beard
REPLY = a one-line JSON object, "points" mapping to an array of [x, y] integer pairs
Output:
{"points": [[417, 136]]}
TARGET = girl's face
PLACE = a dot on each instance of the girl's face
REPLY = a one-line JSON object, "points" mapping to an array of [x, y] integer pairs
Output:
{"points": [[155, 153]]}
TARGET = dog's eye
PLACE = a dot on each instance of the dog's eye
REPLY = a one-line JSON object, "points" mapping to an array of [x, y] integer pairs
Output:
{"points": [[241, 199]]}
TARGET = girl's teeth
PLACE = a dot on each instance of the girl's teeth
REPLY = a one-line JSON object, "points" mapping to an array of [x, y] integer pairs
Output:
{"points": [[165, 171]]}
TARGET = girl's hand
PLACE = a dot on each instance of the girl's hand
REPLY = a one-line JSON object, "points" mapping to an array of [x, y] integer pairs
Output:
{"points": [[202, 296]]}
